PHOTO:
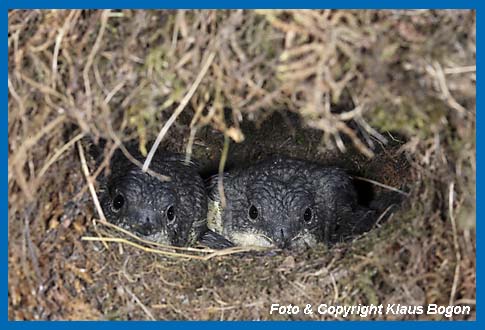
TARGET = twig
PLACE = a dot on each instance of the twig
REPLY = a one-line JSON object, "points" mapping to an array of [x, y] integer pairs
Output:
{"points": [[355, 139], [43, 88], [190, 143], [436, 71], [126, 153], [217, 253], [222, 163], [160, 177], [382, 185], [126, 232], [113, 92], [30, 245], [58, 154], [141, 247], [16, 97], [145, 309], [461, 69], [90, 60], [383, 214], [335, 287], [99, 234], [455, 243], [97, 172], [179, 110], [89, 180], [57, 47]]}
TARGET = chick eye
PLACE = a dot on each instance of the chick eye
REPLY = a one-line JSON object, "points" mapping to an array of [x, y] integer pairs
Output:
{"points": [[308, 214], [118, 202], [170, 213], [253, 212]]}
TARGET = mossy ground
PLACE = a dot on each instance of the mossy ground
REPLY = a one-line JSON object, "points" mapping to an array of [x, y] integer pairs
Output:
{"points": [[389, 95]]}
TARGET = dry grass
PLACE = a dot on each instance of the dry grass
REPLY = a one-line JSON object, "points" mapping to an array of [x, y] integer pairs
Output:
{"points": [[360, 79]]}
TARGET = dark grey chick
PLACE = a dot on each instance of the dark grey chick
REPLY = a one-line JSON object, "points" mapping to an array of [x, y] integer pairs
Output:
{"points": [[171, 212], [287, 203]]}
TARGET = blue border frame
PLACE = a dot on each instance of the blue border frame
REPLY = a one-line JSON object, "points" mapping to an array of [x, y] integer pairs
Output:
{"points": [[206, 4], [249, 4]]}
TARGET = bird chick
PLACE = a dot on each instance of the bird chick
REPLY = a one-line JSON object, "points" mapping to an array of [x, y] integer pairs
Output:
{"points": [[287, 203], [168, 206]]}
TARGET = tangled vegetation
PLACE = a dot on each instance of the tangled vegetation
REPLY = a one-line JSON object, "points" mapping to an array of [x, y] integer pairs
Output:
{"points": [[374, 89]]}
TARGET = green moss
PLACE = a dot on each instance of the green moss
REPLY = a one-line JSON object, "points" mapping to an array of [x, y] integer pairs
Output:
{"points": [[410, 117]]}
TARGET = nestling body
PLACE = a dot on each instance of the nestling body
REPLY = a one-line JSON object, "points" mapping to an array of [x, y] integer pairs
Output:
{"points": [[287, 203], [169, 211]]}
